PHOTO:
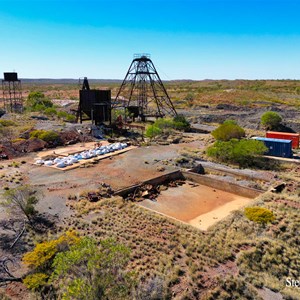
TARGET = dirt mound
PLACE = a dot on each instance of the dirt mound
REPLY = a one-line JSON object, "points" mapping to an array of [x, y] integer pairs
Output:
{"points": [[228, 107], [6, 152], [71, 137], [30, 145], [25, 144]]}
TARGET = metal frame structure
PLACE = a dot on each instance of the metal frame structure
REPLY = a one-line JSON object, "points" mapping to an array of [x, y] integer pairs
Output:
{"points": [[12, 93], [145, 90], [84, 86]]}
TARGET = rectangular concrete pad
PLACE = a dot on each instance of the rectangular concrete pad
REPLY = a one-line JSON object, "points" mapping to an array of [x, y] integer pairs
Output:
{"points": [[187, 202]]}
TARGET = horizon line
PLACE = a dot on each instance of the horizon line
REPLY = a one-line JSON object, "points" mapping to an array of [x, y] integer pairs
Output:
{"points": [[182, 79]]}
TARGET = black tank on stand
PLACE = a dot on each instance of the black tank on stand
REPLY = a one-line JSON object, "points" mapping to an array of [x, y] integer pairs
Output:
{"points": [[12, 92]]}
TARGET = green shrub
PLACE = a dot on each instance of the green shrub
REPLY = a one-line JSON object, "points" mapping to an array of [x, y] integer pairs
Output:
{"points": [[50, 111], [37, 101], [18, 140], [152, 131], [35, 281], [229, 121], [71, 118], [38, 107], [163, 125], [242, 152], [6, 123], [32, 96], [271, 120], [66, 117], [181, 123], [40, 258], [116, 112], [35, 133], [62, 114], [91, 270], [227, 131], [259, 214], [21, 200], [47, 136]]}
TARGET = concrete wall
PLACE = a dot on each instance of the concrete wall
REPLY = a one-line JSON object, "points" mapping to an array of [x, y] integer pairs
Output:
{"points": [[201, 179], [222, 185]]}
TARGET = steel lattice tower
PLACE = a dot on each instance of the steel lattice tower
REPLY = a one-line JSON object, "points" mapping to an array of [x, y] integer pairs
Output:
{"points": [[144, 90]]}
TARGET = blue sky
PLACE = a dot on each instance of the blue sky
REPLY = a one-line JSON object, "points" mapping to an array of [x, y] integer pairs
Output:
{"points": [[215, 39]]}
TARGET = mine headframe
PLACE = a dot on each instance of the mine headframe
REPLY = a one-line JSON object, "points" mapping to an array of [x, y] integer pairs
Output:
{"points": [[12, 92], [94, 105], [85, 84], [144, 92]]}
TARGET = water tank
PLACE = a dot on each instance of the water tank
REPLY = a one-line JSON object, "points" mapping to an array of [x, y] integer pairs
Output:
{"points": [[10, 76]]}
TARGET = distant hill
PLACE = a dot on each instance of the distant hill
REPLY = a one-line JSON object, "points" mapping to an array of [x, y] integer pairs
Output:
{"points": [[95, 81], [49, 81], [67, 81]]}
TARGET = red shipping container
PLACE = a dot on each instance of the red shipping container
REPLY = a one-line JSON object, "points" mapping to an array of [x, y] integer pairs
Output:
{"points": [[294, 137]]}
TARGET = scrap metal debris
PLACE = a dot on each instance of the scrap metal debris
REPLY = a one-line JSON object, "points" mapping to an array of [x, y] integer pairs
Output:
{"points": [[278, 188], [104, 191], [149, 191]]}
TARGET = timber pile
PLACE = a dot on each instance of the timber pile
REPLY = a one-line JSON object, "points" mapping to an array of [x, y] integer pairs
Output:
{"points": [[104, 191], [149, 191]]}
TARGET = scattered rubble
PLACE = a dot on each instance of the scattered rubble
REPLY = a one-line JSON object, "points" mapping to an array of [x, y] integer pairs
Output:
{"points": [[71, 137], [173, 138], [160, 169], [149, 191], [104, 191]]}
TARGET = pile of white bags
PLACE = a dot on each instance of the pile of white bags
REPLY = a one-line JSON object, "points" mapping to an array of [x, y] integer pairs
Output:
{"points": [[87, 154]]}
